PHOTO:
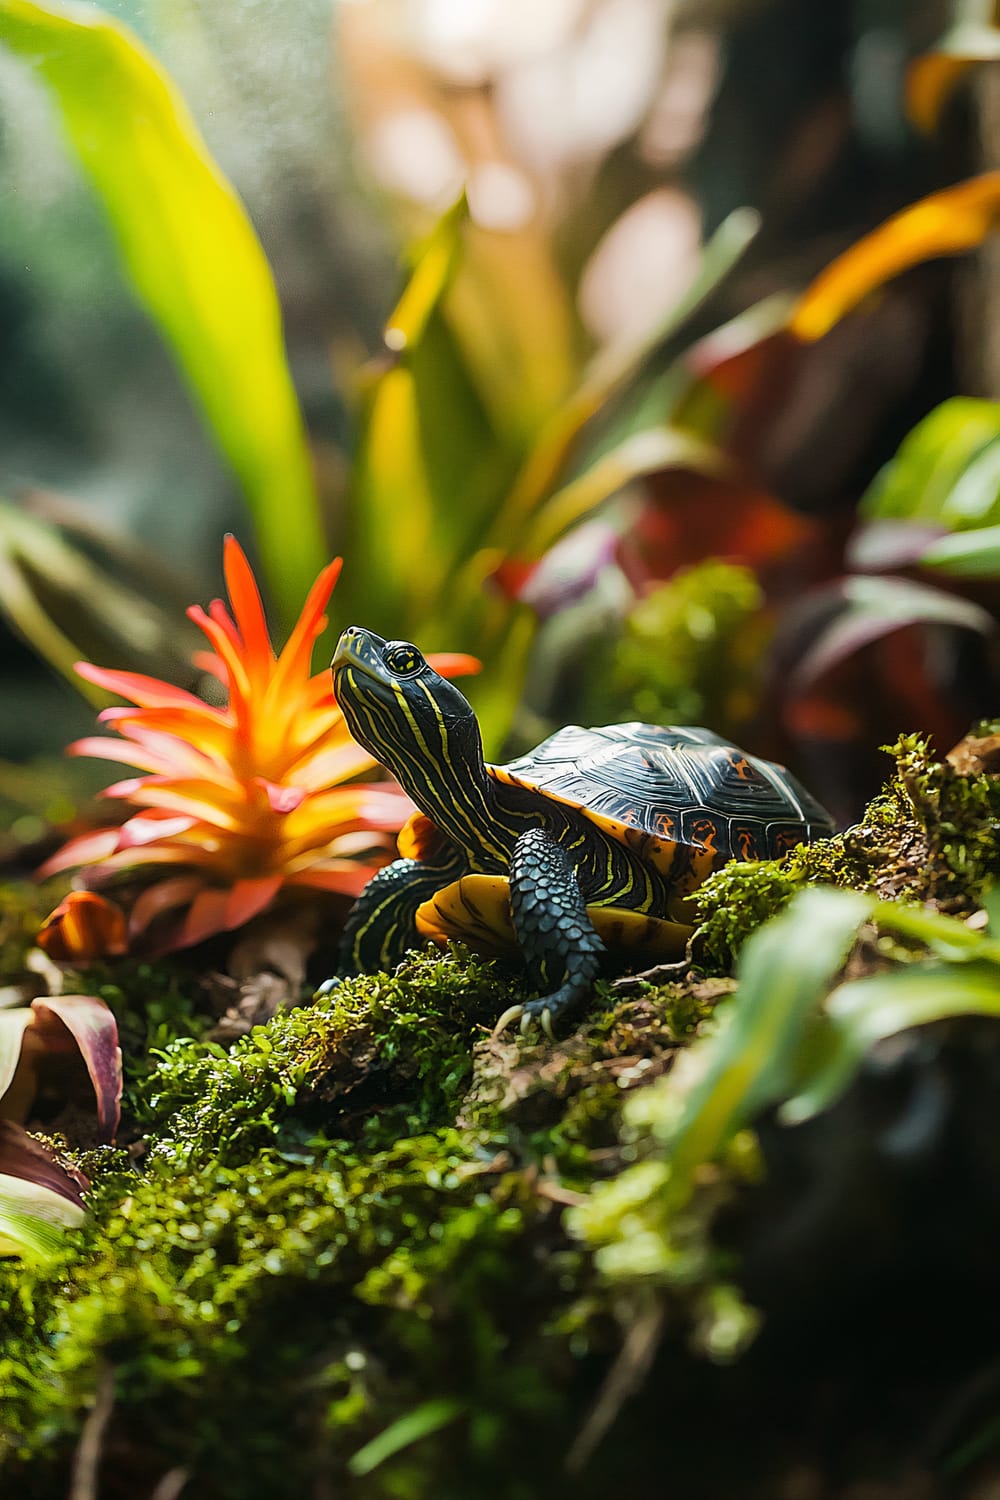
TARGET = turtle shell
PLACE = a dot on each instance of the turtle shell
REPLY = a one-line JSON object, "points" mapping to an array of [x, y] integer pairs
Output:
{"points": [[683, 799]]}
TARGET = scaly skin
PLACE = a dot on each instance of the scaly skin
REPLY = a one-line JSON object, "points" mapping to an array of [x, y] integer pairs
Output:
{"points": [[553, 929]]}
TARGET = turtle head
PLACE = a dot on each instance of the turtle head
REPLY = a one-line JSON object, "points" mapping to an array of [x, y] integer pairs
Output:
{"points": [[411, 719]]}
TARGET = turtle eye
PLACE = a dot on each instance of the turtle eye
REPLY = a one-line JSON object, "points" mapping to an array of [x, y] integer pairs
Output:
{"points": [[402, 659]]}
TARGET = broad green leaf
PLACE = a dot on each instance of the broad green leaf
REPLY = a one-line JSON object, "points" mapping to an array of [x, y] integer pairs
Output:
{"points": [[946, 471], [865, 1011], [32, 1219], [193, 258], [408, 1429], [611, 371], [427, 465], [968, 554], [755, 1058], [950, 222], [974, 38], [945, 936]]}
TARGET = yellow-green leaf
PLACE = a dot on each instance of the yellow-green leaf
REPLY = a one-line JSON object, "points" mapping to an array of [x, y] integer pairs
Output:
{"points": [[192, 256]]}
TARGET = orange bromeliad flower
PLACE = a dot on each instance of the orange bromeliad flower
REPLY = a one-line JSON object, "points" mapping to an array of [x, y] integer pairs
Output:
{"points": [[235, 803]]}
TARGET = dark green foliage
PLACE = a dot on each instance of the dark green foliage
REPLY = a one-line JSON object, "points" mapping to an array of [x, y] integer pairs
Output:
{"points": [[255, 1261]]}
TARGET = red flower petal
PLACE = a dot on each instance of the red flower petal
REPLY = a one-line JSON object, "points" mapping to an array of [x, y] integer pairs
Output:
{"points": [[147, 692], [249, 897], [164, 895], [248, 608], [206, 917]]}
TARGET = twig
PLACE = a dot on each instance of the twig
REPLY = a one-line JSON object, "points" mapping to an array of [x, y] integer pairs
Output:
{"points": [[87, 1459], [170, 1486], [624, 1377]]}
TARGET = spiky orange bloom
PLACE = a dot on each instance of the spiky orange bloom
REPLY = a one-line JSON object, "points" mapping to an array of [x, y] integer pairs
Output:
{"points": [[240, 802]]}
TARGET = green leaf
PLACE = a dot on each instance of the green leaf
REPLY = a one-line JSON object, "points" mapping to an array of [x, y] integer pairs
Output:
{"points": [[613, 370], [192, 257], [756, 1056], [970, 554], [865, 1011], [32, 1219], [38, 1198], [427, 467], [946, 471], [417, 1424]]}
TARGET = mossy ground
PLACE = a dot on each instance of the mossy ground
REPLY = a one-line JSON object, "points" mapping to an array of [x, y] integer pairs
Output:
{"points": [[366, 1251]]}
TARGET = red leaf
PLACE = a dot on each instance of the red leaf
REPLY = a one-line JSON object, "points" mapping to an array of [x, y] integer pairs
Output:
{"points": [[95, 1031], [24, 1157]]}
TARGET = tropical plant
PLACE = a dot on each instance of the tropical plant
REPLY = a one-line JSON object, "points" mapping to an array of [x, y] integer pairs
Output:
{"points": [[238, 803], [39, 1196]]}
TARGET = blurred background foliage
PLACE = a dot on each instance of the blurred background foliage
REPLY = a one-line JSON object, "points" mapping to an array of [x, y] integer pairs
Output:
{"points": [[572, 386]]}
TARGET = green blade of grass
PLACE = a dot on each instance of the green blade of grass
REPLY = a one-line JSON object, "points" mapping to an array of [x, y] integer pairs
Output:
{"points": [[430, 1417], [193, 258], [866, 1011], [754, 1060]]}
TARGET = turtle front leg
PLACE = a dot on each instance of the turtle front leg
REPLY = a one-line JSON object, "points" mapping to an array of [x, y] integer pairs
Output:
{"points": [[381, 927], [553, 929]]}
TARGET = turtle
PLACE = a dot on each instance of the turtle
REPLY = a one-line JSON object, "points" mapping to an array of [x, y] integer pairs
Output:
{"points": [[594, 841]]}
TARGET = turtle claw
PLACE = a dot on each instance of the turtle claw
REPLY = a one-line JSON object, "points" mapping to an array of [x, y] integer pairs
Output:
{"points": [[511, 1014], [534, 1010]]}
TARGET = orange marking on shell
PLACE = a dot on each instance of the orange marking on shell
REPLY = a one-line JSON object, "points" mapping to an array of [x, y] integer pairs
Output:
{"points": [[745, 844], [705, 833]]}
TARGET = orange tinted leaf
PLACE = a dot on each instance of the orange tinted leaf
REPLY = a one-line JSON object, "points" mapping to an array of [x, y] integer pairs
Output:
{"points": [[84, 925], [248, 898], [947, 223], [931, 79]]}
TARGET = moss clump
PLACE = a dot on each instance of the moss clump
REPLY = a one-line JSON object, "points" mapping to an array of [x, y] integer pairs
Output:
{"points": [[312, 1250], [930, 835], [393, 1049], [264, 1320], [690, 652]]}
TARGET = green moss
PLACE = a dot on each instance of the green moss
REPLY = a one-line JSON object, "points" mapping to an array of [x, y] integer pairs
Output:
{"points": [[356, 1217], [390, 1051], [930, 835], [690, 652], [310, 1250]]}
